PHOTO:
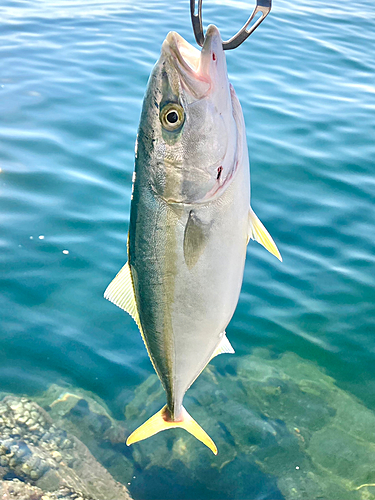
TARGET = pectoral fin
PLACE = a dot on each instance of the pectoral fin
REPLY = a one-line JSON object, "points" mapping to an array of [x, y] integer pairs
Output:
{"points": [[195, 239], [121, 293], [260, 234]]}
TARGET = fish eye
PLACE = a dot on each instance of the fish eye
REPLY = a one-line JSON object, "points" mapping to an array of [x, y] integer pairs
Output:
{"points": [[172, 116]]}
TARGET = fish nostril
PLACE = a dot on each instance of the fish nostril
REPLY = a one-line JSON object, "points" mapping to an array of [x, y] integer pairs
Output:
{"points": [[213, 56], [219, 170]]}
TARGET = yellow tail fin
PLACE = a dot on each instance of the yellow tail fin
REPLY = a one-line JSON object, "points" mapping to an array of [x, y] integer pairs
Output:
{"points": [[159, 422]]}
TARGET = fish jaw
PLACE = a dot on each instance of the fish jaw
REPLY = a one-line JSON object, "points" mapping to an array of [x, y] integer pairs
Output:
{"points": [[214, 65]]}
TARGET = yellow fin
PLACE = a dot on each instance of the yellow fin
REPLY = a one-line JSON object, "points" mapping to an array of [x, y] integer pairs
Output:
{"points": [[159, 422], [225, 347], [121, 293], [260, 234]]}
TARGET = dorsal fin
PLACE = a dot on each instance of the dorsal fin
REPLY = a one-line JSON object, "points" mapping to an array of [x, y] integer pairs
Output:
{"points": [[225, 347], [121, 293], [260, 234]]}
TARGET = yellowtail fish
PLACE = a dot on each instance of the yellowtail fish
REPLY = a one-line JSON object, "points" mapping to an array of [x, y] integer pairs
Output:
{"points": [[190, 222]]}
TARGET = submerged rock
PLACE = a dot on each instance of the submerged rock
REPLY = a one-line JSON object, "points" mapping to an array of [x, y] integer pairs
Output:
{"points": [[86, 416], [281, 417], [17, 490], [38, 452], [282, 426]]}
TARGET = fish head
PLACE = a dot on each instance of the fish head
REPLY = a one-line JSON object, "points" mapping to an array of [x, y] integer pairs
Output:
{"points": [[187, 127]]}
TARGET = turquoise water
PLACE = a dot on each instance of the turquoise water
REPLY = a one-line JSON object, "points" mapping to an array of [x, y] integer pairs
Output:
{"points": [[72, 80]]}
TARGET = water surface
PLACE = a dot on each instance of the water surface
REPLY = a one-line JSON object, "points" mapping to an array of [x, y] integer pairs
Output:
{"points": [[72, 80]]}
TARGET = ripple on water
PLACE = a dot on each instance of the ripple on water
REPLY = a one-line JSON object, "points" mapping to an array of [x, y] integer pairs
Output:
{"points": [[71, 87]]}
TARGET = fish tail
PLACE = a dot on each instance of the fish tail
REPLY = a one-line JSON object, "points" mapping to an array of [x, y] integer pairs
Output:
{"points": [[161, 421]]}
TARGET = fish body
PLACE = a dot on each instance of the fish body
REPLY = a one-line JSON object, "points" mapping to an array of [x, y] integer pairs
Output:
{"points": [[190, 221]]}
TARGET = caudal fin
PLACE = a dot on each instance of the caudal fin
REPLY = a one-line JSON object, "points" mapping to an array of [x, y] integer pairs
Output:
{"points": [[159, 422]]}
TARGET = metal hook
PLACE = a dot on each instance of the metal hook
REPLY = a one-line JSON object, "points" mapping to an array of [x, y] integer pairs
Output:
{"points": [[262, 6]]}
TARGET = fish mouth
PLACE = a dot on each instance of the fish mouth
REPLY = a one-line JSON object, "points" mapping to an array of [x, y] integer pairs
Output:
{"points": [[186, 55], [187, 60]]}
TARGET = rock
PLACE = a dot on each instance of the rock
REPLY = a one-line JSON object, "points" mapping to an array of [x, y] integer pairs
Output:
{"points": [[86, 416], [282, 426], [48, 457], [17, 490]]}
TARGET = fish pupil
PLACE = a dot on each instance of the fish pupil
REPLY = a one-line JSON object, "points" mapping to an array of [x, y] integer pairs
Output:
{"points": [[172, 117]]}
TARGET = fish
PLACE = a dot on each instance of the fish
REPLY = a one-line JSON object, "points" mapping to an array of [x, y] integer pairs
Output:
{"points": [[190, 222]]}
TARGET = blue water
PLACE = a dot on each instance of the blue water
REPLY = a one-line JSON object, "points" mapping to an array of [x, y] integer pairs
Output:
{"points": [[72, 78]]}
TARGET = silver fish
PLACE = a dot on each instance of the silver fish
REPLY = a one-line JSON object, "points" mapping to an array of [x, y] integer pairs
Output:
{"points": [[190, 222]]}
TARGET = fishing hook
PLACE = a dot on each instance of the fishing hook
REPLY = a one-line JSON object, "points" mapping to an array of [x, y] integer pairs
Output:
{"points": [[262, 6]]}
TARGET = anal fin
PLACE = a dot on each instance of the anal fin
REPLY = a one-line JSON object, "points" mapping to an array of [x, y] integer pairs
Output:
{"points": [[225, 347], [260, 234], [121, 293]]}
